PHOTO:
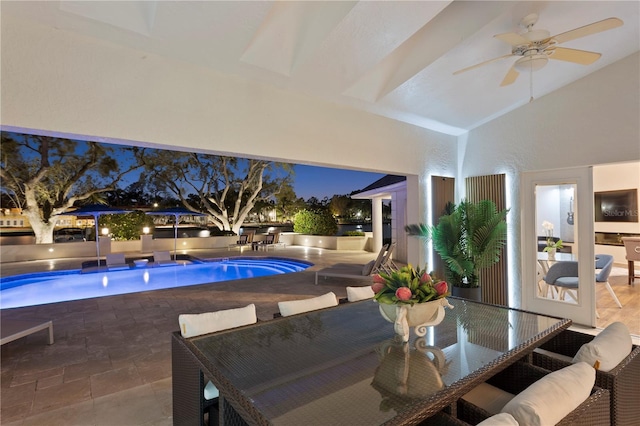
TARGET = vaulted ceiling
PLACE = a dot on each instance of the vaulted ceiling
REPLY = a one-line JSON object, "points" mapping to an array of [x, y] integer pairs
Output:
{"points": [[391, 58]]}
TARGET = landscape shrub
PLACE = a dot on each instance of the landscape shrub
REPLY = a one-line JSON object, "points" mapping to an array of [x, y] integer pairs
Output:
{"points": [[123, 227], [353, 234], [315, 222]]}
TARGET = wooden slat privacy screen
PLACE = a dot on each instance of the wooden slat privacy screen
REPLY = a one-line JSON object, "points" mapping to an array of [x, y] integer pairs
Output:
{"points": [[493, 280], [442, 192]]}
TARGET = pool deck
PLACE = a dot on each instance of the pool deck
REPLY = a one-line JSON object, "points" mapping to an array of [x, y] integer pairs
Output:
{"points": [[111, 360]]}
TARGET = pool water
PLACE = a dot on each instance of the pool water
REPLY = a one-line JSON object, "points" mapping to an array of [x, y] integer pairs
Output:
{"points": [[60, 286]]}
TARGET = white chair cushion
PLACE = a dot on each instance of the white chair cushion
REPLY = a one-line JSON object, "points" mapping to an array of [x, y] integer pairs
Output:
{"points": [[550, 399], [366, 269], [211, 391], [359, 293], [488, 397], [209, 322], [293, 307], [609, 347], [501, 419]]}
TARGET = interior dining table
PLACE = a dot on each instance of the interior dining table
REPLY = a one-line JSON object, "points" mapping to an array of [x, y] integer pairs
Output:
{"points": [[344, 365], [545, 262]]}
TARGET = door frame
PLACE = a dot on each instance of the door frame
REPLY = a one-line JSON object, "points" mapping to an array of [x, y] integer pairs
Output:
{"points": [[584, 312]]}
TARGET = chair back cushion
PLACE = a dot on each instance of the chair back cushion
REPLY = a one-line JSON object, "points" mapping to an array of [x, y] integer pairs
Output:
{"points": [[359, 293], [608, 348], [293, 307], [196, 324], [550, 399]]}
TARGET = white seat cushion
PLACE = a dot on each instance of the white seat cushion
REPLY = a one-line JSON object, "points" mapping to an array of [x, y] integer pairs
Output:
{"points": [[609, 347], [501, 419], [550, 399], [359, 293], [196, 324], [488, 397], [211, 391], [293, 307]]}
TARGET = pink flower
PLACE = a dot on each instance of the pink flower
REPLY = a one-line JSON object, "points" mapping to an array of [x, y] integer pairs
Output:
{"points": [[403, 293], [441, 288], [425, 278], [376, 287], [378, 279]]}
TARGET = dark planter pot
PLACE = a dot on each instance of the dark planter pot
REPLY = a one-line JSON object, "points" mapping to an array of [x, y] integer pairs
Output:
{"points": [[471, 293]]}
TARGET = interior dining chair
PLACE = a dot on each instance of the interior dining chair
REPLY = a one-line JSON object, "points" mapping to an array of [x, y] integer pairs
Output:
{"points": [[604, 262], [192, 325], [544, 289], [563, 276]]}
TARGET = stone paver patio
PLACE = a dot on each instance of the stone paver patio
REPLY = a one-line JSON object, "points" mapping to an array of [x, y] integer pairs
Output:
{"points": [[111, 360]]}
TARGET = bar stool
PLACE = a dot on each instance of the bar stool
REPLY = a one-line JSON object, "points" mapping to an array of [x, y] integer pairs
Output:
{"points": [[632, 246]]}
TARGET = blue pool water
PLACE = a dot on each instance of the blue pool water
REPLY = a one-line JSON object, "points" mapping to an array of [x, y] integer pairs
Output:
{"points": [[50, 287]]}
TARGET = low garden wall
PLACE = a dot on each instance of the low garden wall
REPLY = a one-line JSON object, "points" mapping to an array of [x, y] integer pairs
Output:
{"points": [[146, 245]]}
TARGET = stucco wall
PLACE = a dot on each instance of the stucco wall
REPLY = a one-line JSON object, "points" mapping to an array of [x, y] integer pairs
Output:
{"points": [[595, 120]]}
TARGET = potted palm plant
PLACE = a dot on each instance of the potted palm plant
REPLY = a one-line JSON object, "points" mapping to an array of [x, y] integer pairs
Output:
{"points": [[468, 239]]}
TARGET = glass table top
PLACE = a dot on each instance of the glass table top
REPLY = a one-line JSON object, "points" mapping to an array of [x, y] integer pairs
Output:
{"points": [[343, 365]]}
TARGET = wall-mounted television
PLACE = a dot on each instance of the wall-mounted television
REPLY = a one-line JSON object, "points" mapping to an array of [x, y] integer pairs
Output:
{"points": [[617, 206]]}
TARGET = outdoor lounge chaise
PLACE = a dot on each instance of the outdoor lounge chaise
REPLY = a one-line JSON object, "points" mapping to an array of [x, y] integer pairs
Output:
{"points": [[163, 258], [116, 261], [354, 271], [15, 329], [244, 240]]}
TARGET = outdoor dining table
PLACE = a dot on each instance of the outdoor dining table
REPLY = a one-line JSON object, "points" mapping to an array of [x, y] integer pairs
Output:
{"points": [[343, 365]]}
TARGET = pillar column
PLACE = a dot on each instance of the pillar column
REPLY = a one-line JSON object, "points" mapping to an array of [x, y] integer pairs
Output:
{"points": [[376, 223]]}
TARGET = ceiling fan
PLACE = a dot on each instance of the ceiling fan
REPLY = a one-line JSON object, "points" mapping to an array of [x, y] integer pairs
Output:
{"points": [[535, 47]]}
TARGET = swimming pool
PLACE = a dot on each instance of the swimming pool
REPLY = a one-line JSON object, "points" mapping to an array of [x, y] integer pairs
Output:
{"points": [[59, 286]]}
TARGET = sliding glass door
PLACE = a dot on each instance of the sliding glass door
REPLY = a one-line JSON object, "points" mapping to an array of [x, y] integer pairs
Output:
{"points": [[558, 273]]}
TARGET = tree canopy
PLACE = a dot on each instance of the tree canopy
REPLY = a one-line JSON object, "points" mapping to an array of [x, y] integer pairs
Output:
{"points": [[45, 176], [227, 188]]}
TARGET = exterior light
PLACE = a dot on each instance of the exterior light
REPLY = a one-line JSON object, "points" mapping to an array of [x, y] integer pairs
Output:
{"points": [[145, 230], [105, 231]]}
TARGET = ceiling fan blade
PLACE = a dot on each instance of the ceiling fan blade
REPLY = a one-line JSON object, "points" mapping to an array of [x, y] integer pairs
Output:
{"points": [[581, 57], [482, 63], [596, 27], [511, 76], [512, 38]]}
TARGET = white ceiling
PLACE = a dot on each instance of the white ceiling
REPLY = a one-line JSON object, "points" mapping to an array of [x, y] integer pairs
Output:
{"points": [[391, 58]]}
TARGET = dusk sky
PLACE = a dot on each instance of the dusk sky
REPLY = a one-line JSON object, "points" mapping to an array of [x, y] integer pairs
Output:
{"points": [[309, 181], [320, 182]]}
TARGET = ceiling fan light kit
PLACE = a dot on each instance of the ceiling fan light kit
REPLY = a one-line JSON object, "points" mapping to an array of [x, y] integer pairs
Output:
{"points": [[535, 47], [532, 62]]}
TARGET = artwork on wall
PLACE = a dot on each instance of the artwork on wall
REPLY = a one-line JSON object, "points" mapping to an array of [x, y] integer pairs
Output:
{"points": [[616, 206]]}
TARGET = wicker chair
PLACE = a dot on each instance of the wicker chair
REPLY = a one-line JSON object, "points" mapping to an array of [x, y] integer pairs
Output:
{"points": [[517, 377], [623, 382]]}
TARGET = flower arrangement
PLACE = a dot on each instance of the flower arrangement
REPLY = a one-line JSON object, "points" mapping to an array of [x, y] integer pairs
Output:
{"points": [[548, 230], [408, 286]]}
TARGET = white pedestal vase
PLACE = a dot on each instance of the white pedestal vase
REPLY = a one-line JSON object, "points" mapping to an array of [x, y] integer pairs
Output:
{"points": [[419, 316]]}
